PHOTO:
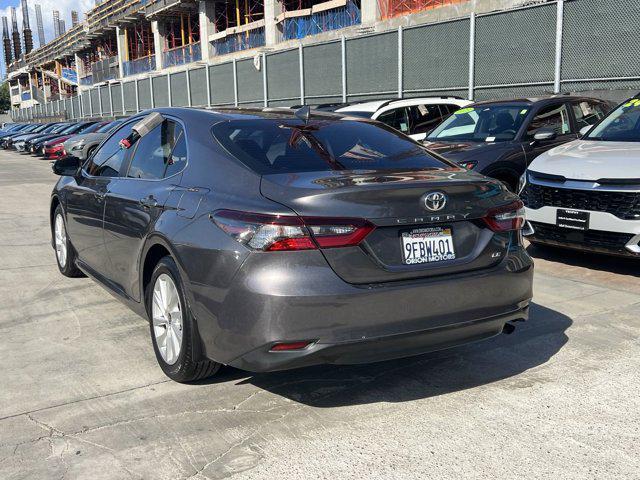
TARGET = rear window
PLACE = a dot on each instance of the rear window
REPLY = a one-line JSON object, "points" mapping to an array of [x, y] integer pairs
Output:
{"points": [[284, 146]]}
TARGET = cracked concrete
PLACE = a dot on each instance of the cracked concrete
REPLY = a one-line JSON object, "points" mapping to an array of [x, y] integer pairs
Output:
{"points": [[81, 395]]}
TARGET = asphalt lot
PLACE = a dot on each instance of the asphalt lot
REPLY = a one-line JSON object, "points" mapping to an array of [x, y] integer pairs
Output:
{"points": [[81, 395]]}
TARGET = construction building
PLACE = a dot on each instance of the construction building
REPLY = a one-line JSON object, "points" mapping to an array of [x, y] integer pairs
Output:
{"points": [[122, 41]]}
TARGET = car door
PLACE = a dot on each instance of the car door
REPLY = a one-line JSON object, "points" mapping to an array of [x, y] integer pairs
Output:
{"points": [[134, 204], [85, 201], [554, 116]]}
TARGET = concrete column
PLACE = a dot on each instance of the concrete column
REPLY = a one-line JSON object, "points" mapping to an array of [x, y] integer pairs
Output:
{"points": [[207, 27], [44, 88], [123, 54], [79, 70], [272, 8], [158, 42], [370, 11]]}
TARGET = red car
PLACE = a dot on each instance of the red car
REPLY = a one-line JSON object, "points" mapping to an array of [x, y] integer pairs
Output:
{"points": [[54, 149]]}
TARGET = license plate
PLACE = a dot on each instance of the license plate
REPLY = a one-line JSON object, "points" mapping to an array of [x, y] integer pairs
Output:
{"points": [[427, 245], [573, 219]]}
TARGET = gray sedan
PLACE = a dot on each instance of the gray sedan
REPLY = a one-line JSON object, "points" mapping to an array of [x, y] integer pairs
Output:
{"points": [[83, 145], [269, 240]]}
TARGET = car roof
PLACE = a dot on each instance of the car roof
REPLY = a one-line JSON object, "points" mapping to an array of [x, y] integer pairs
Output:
{"points": [[534, 100], [374, 106]]}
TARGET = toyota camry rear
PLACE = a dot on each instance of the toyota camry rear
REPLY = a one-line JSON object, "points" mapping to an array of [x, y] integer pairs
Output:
{"points": [[300, 240]]}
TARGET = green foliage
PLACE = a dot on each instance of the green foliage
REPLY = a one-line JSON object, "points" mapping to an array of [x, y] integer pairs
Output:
{"points": [[5, 99]]}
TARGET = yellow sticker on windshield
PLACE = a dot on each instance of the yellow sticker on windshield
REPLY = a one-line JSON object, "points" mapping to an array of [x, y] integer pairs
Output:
{"points": [[463, 111], [523, 112], [633, 103]]}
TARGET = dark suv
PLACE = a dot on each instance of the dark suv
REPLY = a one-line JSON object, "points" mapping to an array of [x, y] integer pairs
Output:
{"points": [[500, 138]]}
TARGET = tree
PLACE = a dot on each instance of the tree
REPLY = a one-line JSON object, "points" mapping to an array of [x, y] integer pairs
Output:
{"points": [[5, 98]]}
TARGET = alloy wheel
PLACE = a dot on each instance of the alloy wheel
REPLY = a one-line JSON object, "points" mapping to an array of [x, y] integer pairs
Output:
{"points": [[166, 313], [60, 235]]}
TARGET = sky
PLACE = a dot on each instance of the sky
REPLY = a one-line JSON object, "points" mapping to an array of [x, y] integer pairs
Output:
{"points": [[47, 6]]}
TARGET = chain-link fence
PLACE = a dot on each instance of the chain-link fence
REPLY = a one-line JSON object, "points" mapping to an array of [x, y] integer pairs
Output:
{"points": [[551, 47]]}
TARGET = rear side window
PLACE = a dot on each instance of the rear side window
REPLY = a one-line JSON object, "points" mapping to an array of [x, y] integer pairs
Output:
{"points": [[397, 118], [153, 158], [425, 118], [290, 145]]}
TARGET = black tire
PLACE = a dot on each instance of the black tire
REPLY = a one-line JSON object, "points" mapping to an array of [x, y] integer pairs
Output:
{"points": [[69, 268], [185, 369]]}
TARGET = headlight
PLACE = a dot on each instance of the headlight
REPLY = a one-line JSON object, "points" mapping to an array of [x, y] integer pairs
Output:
{"points": [[80, 146], [522, 183]]}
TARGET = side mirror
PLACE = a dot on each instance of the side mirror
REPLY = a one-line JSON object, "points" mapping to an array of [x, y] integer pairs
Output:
{"points": [[67, 166], [586, 129], [545, 134]]}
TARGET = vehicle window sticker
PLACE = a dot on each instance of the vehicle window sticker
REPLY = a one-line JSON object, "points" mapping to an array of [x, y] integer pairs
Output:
{"points": [[464, 110]]}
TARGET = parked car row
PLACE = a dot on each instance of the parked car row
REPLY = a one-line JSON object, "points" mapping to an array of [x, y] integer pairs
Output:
{"points": [[48, 139], [236, 232]]}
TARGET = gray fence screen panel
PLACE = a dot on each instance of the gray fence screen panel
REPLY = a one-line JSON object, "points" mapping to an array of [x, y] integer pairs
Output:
{"points": [[86, 111], [95, 102], [129, 96], [116, 98], [249, 82], [160, 91], [516, 47], [436, 56], [179, 94], [322, 72], [104, 98], [76, 107], [221, 84], [198, 86], [283, 77], [144, 94], [607, 33], [372, 64]]}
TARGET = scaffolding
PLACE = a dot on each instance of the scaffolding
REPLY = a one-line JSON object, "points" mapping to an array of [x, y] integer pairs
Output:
{"points": [[181, 39], [396, 8], [239, 25], [140, 52], [301, 18]]}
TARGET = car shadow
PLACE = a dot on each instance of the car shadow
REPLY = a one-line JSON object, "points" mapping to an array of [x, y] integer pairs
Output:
{"points": [[532, 344], [583, 259]]}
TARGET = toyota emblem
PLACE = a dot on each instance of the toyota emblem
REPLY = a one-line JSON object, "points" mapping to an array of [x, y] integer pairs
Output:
{"points": [[435, 201]]}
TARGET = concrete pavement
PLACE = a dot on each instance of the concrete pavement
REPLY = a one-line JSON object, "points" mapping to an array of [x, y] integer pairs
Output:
{"points": [[81, 396]]}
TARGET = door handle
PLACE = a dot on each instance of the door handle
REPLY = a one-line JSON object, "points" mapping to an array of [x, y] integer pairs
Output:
{"points": [[149, 202]]}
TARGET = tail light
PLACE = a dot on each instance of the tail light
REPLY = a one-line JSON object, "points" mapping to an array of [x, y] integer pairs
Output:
{"points": [[506, 218], [284, 232]]}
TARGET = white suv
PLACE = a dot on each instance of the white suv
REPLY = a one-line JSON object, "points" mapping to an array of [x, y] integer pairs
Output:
{"points": [[415, 117], [586, 194]]}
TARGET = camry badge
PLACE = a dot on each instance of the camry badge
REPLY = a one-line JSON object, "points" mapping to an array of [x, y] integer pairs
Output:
{"points": [[435, 201]]}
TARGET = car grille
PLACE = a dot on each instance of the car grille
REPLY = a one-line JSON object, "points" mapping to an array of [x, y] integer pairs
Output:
{"points": [[624, 205], [593, 240]]}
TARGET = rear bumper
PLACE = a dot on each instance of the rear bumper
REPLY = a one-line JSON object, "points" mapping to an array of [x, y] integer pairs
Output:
{"points": [[380, 348], [295, 296]]}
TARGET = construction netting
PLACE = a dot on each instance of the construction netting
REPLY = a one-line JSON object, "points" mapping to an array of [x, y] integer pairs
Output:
{"points": [[395, 8]]}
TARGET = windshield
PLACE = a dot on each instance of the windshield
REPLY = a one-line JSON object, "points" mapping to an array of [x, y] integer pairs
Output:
{"points": [[492, 123], [60, 128], [621, 125], [290, 145], [109, 126]]}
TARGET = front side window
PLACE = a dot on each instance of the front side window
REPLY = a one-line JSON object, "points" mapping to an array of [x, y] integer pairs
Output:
{"points": [[554, 117], [588, 113], [621, 125], [108, 159], [397, 118], [491, 123], [153, 158], [291, 146]]}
